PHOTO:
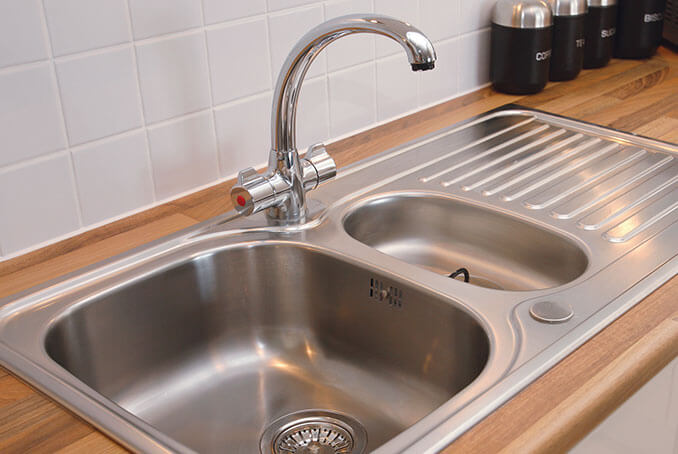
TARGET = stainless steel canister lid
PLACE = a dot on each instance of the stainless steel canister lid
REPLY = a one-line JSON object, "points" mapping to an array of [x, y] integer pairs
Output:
{"points": [[602, 3], [522, 14], [569, 7]]}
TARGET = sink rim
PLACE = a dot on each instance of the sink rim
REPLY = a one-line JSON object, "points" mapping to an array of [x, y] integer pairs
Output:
{"points": [[533, 349]]}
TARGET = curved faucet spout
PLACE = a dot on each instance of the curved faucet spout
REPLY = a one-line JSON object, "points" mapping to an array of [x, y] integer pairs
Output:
{"points": [[282, 191], [419, 49]]}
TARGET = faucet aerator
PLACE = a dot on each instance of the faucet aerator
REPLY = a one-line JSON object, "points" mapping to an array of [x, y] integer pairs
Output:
{"points": [[429, 65]]}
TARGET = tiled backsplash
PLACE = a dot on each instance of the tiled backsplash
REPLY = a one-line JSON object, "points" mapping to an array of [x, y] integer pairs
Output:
{"points": [[111, 106]]}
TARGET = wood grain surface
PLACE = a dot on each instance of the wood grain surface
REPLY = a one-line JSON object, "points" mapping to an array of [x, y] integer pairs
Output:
{"points": [[548, 416], [573, 417]]}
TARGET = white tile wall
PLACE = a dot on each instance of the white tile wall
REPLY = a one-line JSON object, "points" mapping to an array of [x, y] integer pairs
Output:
{"points": [[184, 154], [221, 11], [158, 17], [406, 10], [441, 20], [275, 5], [313, 114], [30, 116], [352, 99], [396, 87], [243, 133], [90, 82], [111, 106], [475, 15], [174, 77], [79, 25], [476, 69], [113, 177], [444, 79], [285, 30], [350, 50], [37, 202], [21, 32], [247, 42]]}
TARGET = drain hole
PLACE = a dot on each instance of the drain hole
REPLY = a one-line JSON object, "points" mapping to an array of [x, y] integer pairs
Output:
{"points": [[314, 432]]}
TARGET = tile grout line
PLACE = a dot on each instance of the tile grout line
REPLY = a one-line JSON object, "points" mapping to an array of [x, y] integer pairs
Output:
{"points": [[326, 80], [269, 63], [24, 66], [34, 160], [375, 94], [92, 52], [375, 77], [457, 63], [420, 77], [270, 52], [140, 104], [210, 83], [64, 128], [375, 98]]}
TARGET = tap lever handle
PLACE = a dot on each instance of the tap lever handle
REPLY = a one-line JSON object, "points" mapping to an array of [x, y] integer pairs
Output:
{"points": [[246, 175], [317, 149], [253, 192], [318, 166]]}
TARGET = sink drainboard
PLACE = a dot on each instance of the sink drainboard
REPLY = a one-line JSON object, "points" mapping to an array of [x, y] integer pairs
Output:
{"points": [[594, 180]]}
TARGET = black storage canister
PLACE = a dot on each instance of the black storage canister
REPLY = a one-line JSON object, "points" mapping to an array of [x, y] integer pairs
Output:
{"points": [[671, 22], [639, 27], [569, 23], [601, 28], [521, 45]]}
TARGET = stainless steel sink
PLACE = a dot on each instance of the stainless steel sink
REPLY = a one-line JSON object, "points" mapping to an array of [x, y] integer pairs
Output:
{"points": [[498, 251], [243, 335], [218, 347]]}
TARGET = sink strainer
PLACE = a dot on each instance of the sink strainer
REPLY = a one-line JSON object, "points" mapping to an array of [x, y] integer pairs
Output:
{"points": [[314, 432]]}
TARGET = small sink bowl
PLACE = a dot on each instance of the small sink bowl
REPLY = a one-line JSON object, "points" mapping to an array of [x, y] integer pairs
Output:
{"points": [[443, 235], [214, 350]]}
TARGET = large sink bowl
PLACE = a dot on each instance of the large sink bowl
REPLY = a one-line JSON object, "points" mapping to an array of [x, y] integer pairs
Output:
{"points": [[199, 352], [443, 234]]}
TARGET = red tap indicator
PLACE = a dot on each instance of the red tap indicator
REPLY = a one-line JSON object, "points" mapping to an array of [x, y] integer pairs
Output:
{"points": [[241, 201]]}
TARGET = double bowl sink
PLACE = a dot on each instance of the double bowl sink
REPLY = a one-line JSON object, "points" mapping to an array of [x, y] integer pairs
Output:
{"points": [[346, 333]]}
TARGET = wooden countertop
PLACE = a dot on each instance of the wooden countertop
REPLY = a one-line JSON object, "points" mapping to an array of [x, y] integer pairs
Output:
{"points": [[548, 416]]}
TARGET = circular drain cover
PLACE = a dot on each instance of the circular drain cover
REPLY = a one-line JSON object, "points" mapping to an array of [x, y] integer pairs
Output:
{"points": [[314, 437], [314, 432], [551, 312]]}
